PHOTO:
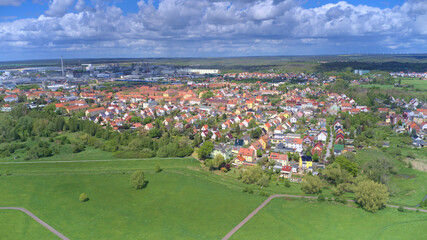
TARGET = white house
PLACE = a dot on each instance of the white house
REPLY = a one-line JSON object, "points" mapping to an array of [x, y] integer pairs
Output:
{"points": [[322, 136]]}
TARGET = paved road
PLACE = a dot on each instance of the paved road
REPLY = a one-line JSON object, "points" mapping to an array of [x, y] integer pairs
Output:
{"points": [[329, 148], [60, 235], [236, 228]]}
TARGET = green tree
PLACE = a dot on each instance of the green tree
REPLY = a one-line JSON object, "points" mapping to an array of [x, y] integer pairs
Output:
{"points": [[206, 149], [206, 95], [158, 169], [296, 156], [147, 120], [311, 184], [256, 133], [264, 180], [287, 183], [137, 179], [83, 197], [371, 196], [215, 162], [252, 174], [135, 119], [315, 157], [335, 174], [155, 133], [346, 164]]}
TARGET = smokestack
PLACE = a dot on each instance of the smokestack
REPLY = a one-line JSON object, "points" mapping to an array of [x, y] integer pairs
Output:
{"points": [[62, 66]]}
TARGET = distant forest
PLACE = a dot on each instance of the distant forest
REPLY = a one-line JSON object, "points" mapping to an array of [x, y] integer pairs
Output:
{"points": [[403, 62], [380, 66]]}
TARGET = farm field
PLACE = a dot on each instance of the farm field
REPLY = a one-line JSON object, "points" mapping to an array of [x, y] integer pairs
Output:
{"points": [[292, 219], [420, 85]]}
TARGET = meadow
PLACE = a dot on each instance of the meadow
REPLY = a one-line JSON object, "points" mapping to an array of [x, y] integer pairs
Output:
{"points": [[408, 186], [177, 203], [418, 85], [183, 201], [291, 219]]}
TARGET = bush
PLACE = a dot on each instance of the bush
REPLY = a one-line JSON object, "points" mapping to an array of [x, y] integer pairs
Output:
{"points": [[264, 194], [137, 179], [321, 198], [83, 197], [400, 209], [158, 169], [336, 192], [311, 184], [371, 196], [287, 183], [78, 148], [250, 191]]}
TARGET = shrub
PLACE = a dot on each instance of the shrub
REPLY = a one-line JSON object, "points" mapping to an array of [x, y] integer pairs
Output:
{"points": [[371, 196], [336, 192], [287, 183], [158, 169], [137, 179], [311, 184], [78, 148], [264, 194], [245, 189], [321, 198], [250, 191], [83, 197], [400, 209]]}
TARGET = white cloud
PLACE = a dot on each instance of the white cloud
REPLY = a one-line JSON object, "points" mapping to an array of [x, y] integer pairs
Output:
{"points": [[11, 2], [187, 27], [80, 5], [58, 8]]}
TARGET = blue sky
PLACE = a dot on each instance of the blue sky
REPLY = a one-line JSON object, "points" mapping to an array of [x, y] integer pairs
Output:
{"points": [[40, 29]]}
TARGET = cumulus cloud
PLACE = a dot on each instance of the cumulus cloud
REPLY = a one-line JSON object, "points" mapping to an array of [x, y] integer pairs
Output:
{"points": [[215, 28], [11, 2], [58, 8]]}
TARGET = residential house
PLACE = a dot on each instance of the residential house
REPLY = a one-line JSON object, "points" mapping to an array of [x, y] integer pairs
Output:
{"points": [[279, 158], [248, 154], [322, 136], [286, 171], [305, 162]]}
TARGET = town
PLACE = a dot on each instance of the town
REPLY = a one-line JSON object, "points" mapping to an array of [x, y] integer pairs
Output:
{"points": [[291, 129]]}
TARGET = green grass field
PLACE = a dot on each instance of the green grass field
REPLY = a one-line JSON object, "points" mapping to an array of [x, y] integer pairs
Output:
{"points": [[176, 204], [418, 84], [408, 186], [181, 202], [16, 225], [290, 219]]}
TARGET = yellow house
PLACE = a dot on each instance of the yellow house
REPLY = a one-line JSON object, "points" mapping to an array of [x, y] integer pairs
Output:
{"points": [[305, 161], [250, 103], [267, 127], [247, 153], [265, 141]]}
